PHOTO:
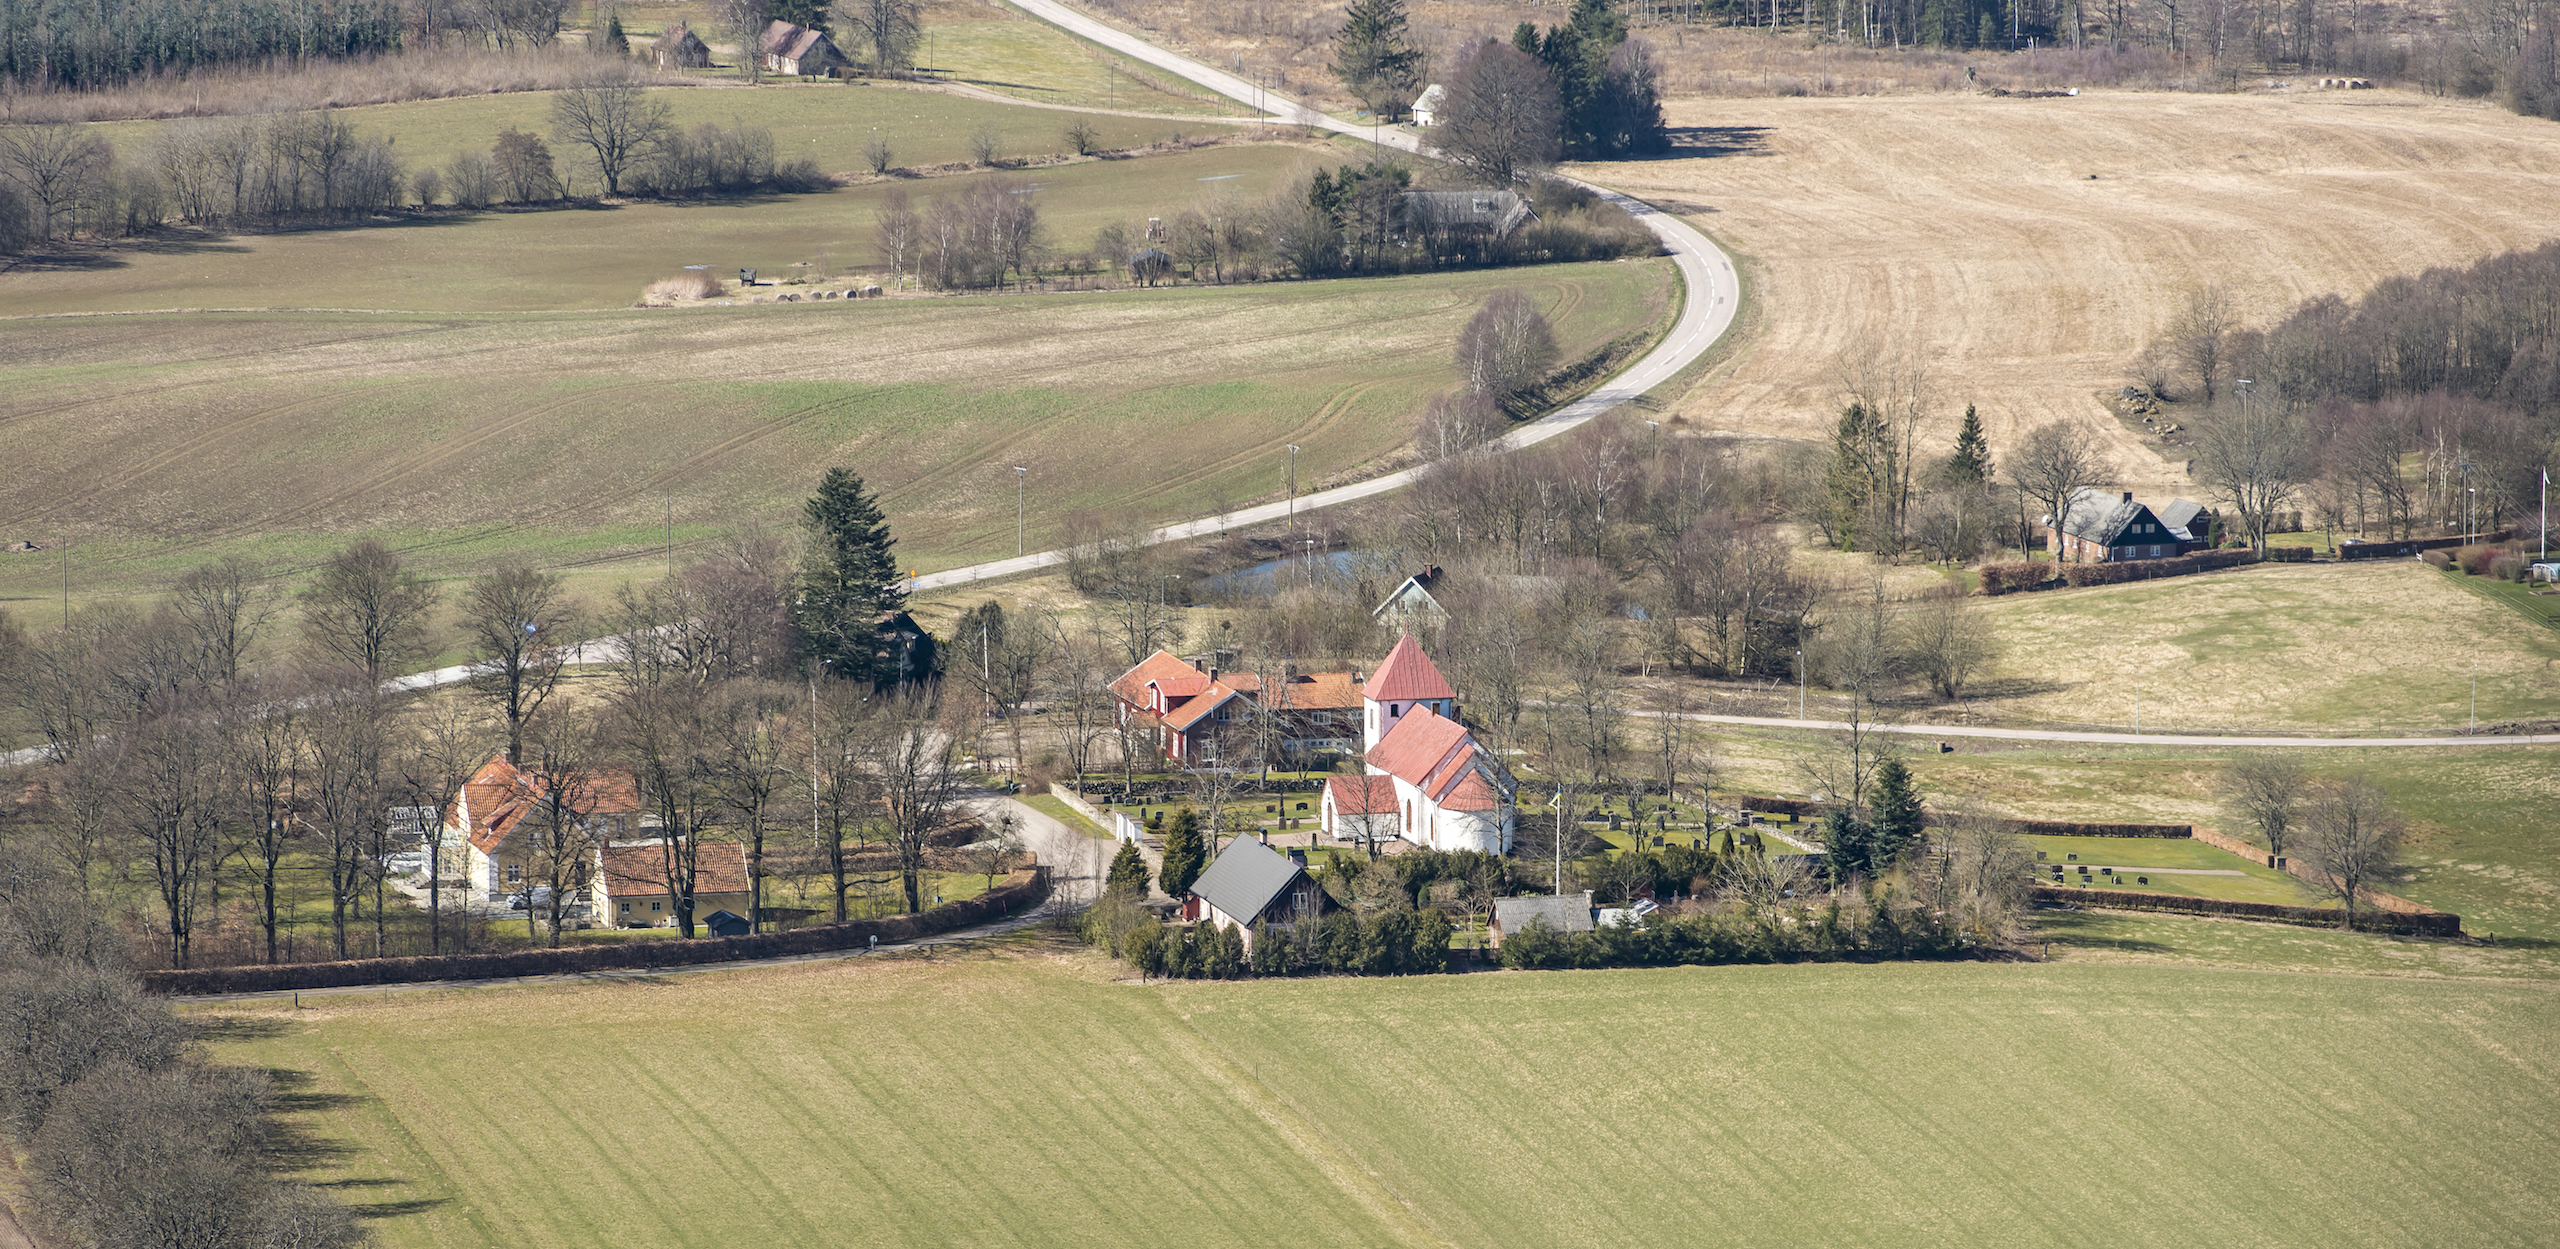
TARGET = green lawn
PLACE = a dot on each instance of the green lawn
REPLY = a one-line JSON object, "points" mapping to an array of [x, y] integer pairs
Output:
{"points": [[999, 1099], [1049, 805], [2257, 882]]}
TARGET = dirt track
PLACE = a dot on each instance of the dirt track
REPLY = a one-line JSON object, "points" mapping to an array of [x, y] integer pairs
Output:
{"points": [[1970, 227]]}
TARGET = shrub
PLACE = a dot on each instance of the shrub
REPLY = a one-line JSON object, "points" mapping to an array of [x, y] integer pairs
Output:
{"points": [[2475, 559], [2289, 554], [690, 284], [2507, 567], [2438, 559], [2020, 575]]}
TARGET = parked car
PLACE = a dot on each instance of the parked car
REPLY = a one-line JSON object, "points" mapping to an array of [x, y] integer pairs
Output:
{"points": [[527, 899]]}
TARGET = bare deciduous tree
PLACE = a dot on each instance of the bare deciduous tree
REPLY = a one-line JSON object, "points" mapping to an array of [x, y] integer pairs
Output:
{"points": [[2350, 840], [1500, 120], [2051, 466], [897, 232], [752, 761], [1945, 641], [2255, 455], [2263, 790], [56, 164], [912, 764], [2201, 334], [1506, 347], [617, 121], [522, 626], [367, 611], [890, 28]]}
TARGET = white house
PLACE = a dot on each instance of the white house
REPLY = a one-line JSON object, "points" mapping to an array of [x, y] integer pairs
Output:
{"points": [[1426, 106], [1413, 600], [1447, 791]]}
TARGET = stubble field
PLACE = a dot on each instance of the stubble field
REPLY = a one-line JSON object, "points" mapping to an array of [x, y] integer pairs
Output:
{"points": [[1968, 231], [1026, 1099]]}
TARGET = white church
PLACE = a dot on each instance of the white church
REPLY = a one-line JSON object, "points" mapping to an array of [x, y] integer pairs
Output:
{"points": [[1429, 781]]}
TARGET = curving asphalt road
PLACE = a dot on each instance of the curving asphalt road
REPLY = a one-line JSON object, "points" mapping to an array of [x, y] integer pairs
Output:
{"points": [[2116, 739], [1711, 295]]}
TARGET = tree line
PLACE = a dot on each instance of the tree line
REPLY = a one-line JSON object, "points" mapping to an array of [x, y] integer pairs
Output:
{"points": [[130, 1136], [192, 748], [60, 178], [2431, 402]]}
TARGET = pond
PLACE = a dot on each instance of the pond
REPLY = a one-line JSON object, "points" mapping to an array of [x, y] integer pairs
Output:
{"points": [[1270, 574]]}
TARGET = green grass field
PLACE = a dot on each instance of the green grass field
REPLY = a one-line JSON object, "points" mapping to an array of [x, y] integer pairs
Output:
{"points": [[2142, 856], [1024, 1099], [563, 438]]}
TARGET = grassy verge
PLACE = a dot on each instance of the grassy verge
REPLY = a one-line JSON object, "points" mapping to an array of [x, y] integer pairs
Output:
{"points": [[1049, 805], [987, 1099]]}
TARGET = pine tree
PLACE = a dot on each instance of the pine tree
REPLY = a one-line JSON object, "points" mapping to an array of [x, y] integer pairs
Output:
{"points": [[809, 13], [1128, 876], [1183, 854], [1970, 465], [1896, 827], [1373, 55], [849, 584], [615, 41]]}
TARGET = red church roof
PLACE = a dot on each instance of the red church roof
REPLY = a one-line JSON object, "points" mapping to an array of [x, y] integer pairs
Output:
{"points": [[1407, 674], [1418, 746], [1362, 795]]}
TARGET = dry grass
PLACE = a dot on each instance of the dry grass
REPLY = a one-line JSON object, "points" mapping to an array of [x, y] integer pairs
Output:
{"points": [[691, 284], [432, 74], [1970, 230]]}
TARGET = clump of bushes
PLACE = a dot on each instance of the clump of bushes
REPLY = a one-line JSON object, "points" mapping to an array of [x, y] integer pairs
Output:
{"points": [[2018, 575], [2508, 566], [712, 159], [2289, 555], [690, 284], [2475, 559], [2151, 569], [2437, 560]]}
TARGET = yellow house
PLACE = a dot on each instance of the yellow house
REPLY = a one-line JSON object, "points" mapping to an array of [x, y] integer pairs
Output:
{"points": [[631, 889], [499, 825]]}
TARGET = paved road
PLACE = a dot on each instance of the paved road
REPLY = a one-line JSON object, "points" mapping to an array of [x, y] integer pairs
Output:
{"points": [[1710, 297], [2120, 739]]}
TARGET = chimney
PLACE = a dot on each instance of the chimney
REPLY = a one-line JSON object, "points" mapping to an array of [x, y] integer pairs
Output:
{"points": [[2128, 496]]}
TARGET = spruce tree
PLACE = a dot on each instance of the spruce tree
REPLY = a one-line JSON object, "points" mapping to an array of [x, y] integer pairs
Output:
{"points": [[1970, 465], [615, 41], [1128, 876], [1184, 855], [1848, 843], [1895, 801], [849, 583], [1374, 56]]}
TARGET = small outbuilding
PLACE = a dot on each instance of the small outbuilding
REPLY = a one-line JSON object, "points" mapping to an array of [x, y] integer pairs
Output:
{"points": [[1426, 106], [728, 924], [680, 48], [792, 49], [1563, 913], [1413, 601]]}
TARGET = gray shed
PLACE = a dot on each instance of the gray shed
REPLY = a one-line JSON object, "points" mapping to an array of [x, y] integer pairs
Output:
{"points": [[728, 924], [1570, 912]]}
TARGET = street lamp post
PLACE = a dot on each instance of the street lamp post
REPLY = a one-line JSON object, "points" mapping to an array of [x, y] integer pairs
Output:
{"points": [[1799, 683], [1019, 473]]}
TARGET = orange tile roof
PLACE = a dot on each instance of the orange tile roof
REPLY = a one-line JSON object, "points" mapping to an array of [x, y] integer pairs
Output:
{"points": [[1211, 697], [641, 871], [1161, 666], [1472, 793], [1316, 691], [500, 795], [1362, 795], [1407, 674], [1418, 746]]}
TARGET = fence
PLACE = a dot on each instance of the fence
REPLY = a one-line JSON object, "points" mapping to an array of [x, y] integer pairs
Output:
{"points": [[1020, 889]]}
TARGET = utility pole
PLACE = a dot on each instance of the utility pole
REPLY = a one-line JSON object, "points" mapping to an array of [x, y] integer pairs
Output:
{"points": [[2137, 709], [814, 838], [1019, 472], [1559, 843], [671, 535], [1799, 683], [2475, 695], [1293, 489]]}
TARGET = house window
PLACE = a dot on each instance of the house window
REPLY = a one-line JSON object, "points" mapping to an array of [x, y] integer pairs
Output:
{"points": [[1324, 717], [515, 873], [1226, 713], [626, 908], [655, 907]]}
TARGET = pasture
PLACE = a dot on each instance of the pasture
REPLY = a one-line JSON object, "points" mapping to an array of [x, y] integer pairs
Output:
{"points": [[2028, 249], [1025, 1097], [572, 438]]}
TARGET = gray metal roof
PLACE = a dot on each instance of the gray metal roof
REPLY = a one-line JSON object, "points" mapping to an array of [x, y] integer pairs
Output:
{"points": [[1498, 211], [2180, 516], [1245, 878], [1567, 913], [2100, 517]]}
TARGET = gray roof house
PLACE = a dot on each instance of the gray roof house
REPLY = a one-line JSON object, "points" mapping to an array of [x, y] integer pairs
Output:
{"points": [[1413, 598], [1570, 912], [2098, 529], [1250, 882], [1494, 213], [2188, 521]]}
